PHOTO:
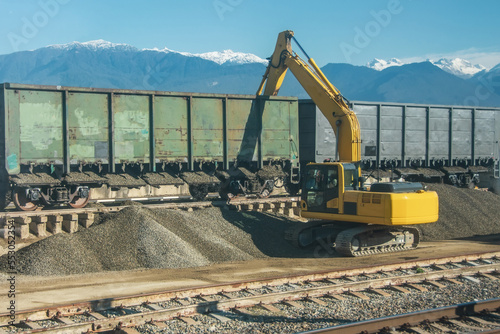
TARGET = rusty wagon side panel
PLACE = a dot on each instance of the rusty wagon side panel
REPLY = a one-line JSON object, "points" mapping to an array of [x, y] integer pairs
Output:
{"points": [[152, 140]]}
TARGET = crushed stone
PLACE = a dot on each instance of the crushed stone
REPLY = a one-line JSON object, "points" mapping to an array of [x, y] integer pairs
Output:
{"points": [[463, 213], [140, 238]]}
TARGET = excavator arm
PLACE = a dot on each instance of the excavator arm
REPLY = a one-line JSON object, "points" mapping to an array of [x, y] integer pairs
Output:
{"points": [[324, 94]]}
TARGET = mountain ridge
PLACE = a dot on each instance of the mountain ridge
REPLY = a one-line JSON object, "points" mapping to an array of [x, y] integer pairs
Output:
{"points": [[102, 64], [457, 66]]}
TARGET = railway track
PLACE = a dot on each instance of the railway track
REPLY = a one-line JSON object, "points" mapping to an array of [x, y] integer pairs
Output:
{"points": [[44, 223], [475, 317], [292, 300]]}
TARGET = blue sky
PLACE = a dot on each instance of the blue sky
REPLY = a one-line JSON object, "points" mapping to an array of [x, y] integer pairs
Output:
{"points": [[331, 31]]}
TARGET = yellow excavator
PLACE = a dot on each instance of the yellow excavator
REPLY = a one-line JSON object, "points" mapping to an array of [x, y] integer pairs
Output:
{"points": [[353, 219]]}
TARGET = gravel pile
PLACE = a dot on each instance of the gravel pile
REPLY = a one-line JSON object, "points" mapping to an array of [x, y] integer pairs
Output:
{"points": [[129, 239], [463, 213], [137, 237]]}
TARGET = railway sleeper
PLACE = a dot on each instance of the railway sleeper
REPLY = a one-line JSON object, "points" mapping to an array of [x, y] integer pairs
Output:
{"points": [[44, 225], [41, 224]]}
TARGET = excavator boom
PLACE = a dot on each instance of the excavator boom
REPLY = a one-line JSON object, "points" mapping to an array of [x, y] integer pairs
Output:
{"points": [[324, 94]]}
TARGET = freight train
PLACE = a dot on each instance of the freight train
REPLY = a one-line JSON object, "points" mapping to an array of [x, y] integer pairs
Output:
{"points": [[415, 142], [68, 146]]}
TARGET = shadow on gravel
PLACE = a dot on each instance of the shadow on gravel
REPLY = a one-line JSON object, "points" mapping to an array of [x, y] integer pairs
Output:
{"points": [[267, 233], [492, 239], [292, 324]]}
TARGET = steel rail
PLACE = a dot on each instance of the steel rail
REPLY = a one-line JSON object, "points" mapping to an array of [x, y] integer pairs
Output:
{"points": [[414, 318]]}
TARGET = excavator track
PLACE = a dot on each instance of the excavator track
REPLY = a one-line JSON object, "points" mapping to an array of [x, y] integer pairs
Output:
{"points": [[307, 234], [376, 239], [360, 240]]}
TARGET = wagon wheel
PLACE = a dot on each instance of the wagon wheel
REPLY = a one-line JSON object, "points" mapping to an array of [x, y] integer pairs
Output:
{"points": [[21, 201], [278, 182], [199, 192], [79, 202]]}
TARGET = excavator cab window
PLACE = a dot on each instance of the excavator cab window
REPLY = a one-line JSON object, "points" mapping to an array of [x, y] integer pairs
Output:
{"points": [[332, 178], [351, 177], [320, 186]]}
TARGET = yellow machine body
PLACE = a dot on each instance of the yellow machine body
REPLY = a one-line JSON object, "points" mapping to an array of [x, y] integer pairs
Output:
{"points": [[330, 193]]}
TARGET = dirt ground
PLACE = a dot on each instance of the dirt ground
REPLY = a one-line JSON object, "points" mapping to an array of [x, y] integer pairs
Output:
{"points": [[39, 292]]}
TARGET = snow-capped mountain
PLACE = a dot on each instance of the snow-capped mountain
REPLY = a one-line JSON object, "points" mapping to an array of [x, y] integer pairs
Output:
{"points": [[102, 64], [459, 67], [97, 45], [380, 64], [229, 56], [222, 57], [219, 57]]}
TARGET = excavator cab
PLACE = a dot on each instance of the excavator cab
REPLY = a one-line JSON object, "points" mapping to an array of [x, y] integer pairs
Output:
{"points": [[321, 186], [325, 183]]}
